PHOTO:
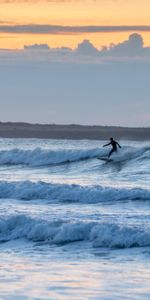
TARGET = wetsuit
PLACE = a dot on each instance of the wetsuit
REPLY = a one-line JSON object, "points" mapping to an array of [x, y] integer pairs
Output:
{"points": [[114, 145]]}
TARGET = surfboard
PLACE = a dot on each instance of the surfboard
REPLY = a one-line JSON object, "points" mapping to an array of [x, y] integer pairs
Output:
{"points": [[105, 159]]}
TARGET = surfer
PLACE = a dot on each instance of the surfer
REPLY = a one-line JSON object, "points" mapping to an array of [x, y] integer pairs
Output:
{"points": [[114, 145]]}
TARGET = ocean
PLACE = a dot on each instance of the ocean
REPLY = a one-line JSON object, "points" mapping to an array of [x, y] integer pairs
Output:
{"points": [[73, 226]]}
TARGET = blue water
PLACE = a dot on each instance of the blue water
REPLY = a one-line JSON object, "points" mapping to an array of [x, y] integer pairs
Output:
{"points": [[73, 226]]}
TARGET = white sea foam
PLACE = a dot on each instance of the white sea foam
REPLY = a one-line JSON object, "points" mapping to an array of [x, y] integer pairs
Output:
{"points": [[108, 235], [28, 190]]}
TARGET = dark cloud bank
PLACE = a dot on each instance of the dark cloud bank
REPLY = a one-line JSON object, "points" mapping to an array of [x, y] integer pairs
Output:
{"points": [[59, 29], [83, 86]]}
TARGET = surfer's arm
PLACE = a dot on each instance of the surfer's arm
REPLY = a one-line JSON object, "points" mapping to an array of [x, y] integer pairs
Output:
{"points": [[118, 145], [106, 144]]}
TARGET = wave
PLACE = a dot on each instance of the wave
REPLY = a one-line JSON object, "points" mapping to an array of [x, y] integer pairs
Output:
{"points": [[132, 153], [108, 235], [28, 190], [41, 157]]}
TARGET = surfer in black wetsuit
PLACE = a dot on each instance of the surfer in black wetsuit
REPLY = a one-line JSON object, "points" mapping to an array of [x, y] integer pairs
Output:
{"points": [[114, 145]]}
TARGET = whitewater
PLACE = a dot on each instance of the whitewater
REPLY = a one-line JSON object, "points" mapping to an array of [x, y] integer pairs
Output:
{"points": [[73, 226]]}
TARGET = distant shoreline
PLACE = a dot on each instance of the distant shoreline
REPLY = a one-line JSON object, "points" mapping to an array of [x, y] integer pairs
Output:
{"points": [[52, 131]]}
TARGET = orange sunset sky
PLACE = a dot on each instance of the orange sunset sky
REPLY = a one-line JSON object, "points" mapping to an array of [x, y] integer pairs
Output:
{"points": [[17, 18]]}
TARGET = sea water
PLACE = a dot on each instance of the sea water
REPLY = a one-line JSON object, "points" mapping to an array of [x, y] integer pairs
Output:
{"points": [[73, 226]]}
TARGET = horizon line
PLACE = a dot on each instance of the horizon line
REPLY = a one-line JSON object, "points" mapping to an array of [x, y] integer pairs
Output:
{"points": [[70, 124]]}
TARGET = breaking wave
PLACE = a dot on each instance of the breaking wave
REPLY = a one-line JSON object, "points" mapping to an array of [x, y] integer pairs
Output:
{"points": [[41, 157], [108, 235], [28, 190]]}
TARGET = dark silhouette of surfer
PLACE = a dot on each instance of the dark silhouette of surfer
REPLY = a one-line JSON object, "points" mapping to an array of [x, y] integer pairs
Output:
{"points": [[114, 145]]}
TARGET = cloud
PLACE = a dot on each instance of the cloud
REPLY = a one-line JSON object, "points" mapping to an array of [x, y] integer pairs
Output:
{"points": [[132, 46], [47, 49], [58, 29], [85, 52], [86, 48], [37, 47]]}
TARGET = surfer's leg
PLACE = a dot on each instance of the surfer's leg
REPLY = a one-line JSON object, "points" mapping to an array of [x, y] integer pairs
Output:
{"points": [[110, 153]]}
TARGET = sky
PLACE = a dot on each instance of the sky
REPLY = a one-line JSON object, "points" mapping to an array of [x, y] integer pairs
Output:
{"points": [[75, 61], [14, 14]]}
